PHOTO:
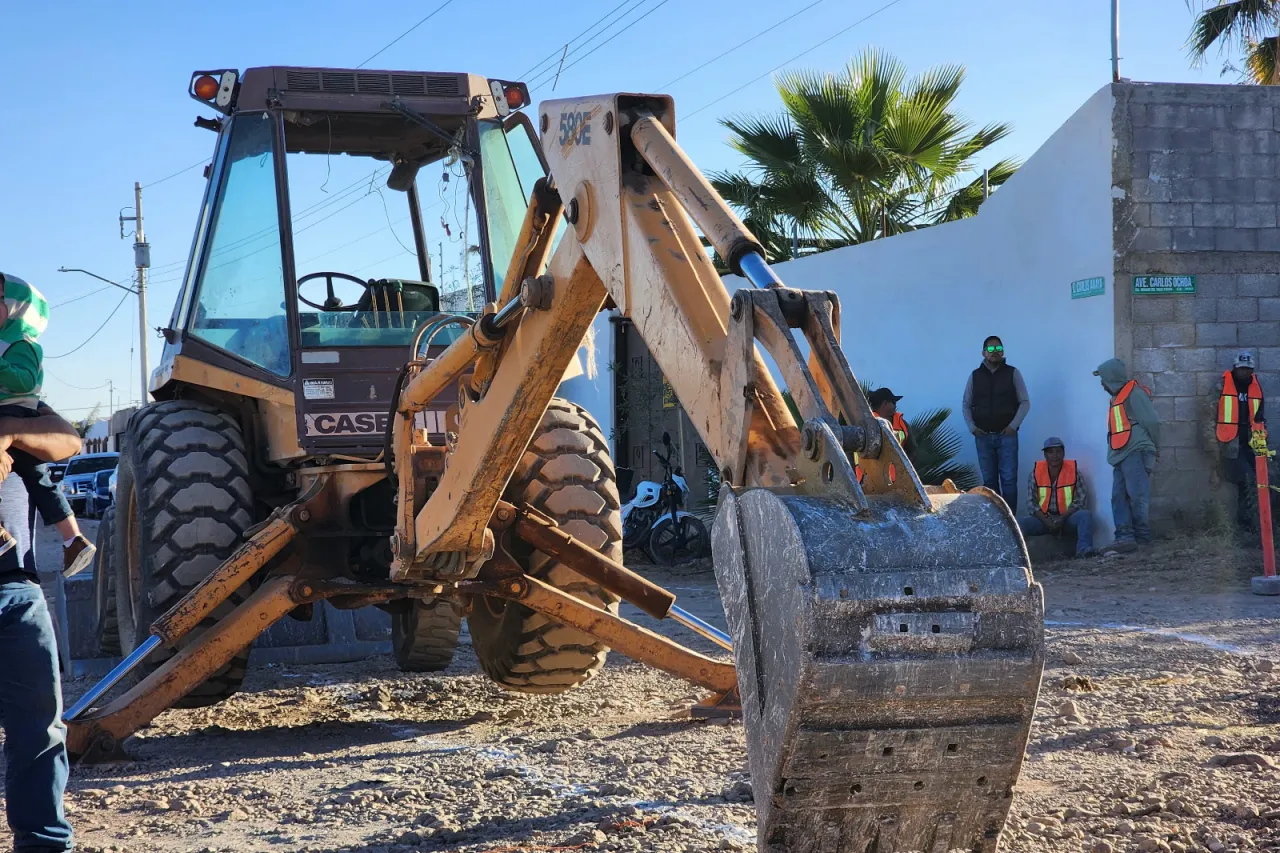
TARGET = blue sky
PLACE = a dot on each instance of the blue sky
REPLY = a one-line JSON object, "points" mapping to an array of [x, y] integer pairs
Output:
{"points": [[96, 99]]}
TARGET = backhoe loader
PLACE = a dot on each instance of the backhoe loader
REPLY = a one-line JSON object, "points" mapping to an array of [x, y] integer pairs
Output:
{"points": [[404, 447]]}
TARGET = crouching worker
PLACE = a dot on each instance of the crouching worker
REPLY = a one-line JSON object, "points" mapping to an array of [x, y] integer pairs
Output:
{"points": [[1057, 499]]}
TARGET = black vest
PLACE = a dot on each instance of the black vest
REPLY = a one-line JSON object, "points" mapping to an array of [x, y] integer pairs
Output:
{"points": [[995, 398]]}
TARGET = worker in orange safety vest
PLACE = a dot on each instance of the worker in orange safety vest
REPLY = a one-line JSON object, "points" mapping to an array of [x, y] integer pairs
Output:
{"points": [[1133, 442], [1057, 500], [1239, 410]]}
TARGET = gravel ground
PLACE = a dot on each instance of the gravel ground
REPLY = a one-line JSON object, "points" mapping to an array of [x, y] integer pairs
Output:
{"points": [[1156, 730]]}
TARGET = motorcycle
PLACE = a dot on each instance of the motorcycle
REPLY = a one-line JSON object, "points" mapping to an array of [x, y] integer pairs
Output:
{"points": [[654, 518]]}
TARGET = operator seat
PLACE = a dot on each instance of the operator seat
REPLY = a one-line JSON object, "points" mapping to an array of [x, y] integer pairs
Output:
{"points": [[384, 297]]}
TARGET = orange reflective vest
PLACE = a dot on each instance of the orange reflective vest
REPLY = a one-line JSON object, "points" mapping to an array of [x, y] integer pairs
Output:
{"points": [[1065, 485], [1118, 426], [1229, 407], [900, 427]]}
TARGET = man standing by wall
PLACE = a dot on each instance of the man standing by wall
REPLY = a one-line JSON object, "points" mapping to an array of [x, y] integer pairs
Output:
{"points": [[1133, 435], [1239, 411], [995, 404], [30, 692]]}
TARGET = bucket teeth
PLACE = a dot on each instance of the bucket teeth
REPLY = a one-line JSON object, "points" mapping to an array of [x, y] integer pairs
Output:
{"points": [[888, 663]]}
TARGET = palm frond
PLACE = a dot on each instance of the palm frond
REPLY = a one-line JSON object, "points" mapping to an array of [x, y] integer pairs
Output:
{"points": [[1245, 20], [936, 447], [1260, 63]]}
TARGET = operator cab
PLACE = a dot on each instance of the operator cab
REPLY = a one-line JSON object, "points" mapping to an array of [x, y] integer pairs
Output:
{"points": [[344, 210]]}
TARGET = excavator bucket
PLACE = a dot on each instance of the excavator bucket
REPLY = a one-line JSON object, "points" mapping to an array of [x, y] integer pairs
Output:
{"points": [[888, 660]]}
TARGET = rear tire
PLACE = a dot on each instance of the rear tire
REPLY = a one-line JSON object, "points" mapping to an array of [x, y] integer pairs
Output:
{"points": [[566, 473], [424, 634], [106, 626], [184, 504]]}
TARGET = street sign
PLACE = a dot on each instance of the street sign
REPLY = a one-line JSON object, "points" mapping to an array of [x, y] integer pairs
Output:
{"points": [[1157, 284], [1086, 287]]}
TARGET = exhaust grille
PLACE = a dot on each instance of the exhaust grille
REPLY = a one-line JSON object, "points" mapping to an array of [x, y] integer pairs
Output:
{"points": [[372, 83]]}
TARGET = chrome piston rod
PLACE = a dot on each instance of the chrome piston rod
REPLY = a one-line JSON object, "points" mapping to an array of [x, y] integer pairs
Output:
{"points": [[698, 626], [111, 679]]}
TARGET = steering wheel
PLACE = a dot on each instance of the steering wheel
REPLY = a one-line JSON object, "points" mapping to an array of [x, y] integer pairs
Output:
{"points": [[332, 303]]}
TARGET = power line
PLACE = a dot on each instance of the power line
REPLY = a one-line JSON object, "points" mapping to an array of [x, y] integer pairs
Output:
{"points": [[95, 332], [740, 44], [81, 296], [78, 387], [552, 74], [808, 50], [405, 33], [556, 53], [177, 173]]}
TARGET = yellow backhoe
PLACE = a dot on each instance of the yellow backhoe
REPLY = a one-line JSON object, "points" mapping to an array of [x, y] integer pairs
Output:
{"points": [[406, 448]]}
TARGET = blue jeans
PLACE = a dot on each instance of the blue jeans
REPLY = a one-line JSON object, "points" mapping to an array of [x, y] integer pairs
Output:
{"points": [[30, 712], [998, 459], [1131, 496], [1080, 523]]}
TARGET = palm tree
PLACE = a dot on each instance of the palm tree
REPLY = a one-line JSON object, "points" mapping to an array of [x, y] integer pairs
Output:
{"points": [[1250, 25], [857, 155]]}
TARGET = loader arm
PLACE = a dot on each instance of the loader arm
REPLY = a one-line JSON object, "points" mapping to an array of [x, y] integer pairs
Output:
{"points": [[887, 637]]}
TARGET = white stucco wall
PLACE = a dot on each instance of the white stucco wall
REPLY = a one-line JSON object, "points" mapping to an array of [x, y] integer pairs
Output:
{"points": [[916, 307]]}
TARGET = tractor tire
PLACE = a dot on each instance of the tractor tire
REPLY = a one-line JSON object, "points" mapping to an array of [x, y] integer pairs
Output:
{"points": [[106, 627], [183, 505], [566, 473], [424, 634]]}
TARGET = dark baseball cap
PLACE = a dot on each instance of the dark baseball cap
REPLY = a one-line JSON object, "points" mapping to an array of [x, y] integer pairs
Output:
{"points": [[882, 395]]}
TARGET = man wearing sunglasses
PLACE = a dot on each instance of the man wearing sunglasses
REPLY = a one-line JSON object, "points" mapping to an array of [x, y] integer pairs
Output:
{"points": [[995, 404]]}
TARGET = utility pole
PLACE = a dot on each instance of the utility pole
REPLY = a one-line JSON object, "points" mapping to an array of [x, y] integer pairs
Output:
{"points": [[986, 184], [142, 261], [1115, 41]]}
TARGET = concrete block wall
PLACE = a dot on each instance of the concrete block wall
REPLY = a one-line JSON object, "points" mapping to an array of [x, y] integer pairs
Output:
{"points": [[1196, 191]]}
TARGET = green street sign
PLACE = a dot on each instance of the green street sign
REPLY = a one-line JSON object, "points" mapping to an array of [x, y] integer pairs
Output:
{"points": [[1148, 284], [1086, 287]]}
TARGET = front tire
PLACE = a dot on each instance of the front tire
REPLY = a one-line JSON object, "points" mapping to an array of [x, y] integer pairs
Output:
{"points": [[184, 504], [566, 473], [424, 634], [106, 627]]}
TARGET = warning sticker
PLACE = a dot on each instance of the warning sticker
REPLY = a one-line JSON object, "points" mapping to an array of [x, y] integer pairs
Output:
{"points": [[317, 389]]}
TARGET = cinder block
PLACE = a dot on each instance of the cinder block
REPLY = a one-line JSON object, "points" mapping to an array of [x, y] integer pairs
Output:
{"points": [[1215, 334], [1178, 434], [1255, 166], [1164, 407], [1175, 334], [1171, 214], [1213, 285], [1153, 138], [1137, 114], [1215, 164], [1174, 385], [1251, 117], [1152, 360], [1192, 359], [1169, 164], [1268, 362], [1152, 309], [1226, 355], [1154, 240], [1235, 240], [1209, 383], [1258, 284], [1194, 309], [1166, 115], [1190, 459], [1255, 216], [1138, 215], [1238, 309], [1192, 139], [1266, 189], [1269, 309], [1193, 239], [1268, 239], [1186, 408], [1213, 215], [1143, 336], [1145, 189], [1259, 335], [1239, 190], [1209, 117]]}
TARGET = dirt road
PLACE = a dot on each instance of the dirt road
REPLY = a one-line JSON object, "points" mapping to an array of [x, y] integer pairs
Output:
{"points": [[1156, 730]]}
